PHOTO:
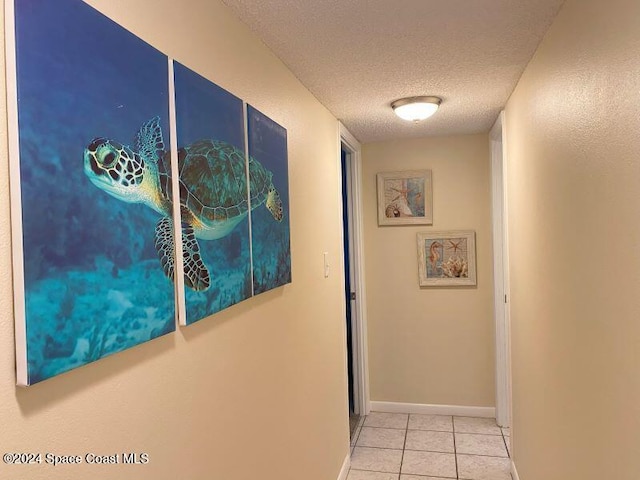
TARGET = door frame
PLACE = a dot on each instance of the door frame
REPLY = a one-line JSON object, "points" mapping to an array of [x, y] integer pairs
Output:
{"points": [[360, 364], [502, 317]]}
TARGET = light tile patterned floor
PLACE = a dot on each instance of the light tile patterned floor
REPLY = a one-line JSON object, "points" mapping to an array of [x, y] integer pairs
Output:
{"points": [[397, 446]]}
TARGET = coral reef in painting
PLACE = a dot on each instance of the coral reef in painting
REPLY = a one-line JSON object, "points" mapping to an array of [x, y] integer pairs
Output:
{"points": [[230, 276], [271, 254], [75, 317]]}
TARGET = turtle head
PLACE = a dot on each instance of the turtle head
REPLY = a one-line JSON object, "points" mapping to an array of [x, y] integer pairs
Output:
{"points": [[114, 168], [274, 204]]}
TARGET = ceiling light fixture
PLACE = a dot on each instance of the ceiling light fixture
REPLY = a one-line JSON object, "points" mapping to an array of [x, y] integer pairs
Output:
{"points": [[414, 109]]}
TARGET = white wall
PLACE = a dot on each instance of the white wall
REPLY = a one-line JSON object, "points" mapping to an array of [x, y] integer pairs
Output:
{"points": [[573, 188], [430, 345]]}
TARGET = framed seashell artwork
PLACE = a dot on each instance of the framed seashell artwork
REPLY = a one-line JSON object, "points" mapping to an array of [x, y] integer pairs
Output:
{"points": [[405, 198], [447, 258]]}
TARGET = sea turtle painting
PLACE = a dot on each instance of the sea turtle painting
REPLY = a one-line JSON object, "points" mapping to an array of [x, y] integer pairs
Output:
{"points": [[212, 184]]}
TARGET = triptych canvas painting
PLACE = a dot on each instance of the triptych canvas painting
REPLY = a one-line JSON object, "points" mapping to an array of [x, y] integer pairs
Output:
{"points": [[122, 162]]}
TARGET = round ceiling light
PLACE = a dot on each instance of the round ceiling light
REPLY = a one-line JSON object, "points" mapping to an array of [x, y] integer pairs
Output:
{"points": [[414, 109]]}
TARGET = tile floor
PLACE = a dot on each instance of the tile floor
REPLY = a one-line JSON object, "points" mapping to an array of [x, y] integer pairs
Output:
{"points": [[397, 446]]}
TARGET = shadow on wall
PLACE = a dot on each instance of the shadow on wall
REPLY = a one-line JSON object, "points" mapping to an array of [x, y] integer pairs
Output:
{"points": [[44, 395]]}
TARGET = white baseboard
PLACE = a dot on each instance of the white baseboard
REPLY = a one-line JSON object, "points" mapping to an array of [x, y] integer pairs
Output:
{"points": [[458, 410], [514, 472], [344, 471]]}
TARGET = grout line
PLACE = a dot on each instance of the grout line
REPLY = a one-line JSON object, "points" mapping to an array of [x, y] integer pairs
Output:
{"points": [[432, 431], [358, 433], [479, 455], [373, 471], [484, 434], [404, 445], [506, 445], [354, 440], [455, 448], [387, 428], [428, 451], [380, 448]]}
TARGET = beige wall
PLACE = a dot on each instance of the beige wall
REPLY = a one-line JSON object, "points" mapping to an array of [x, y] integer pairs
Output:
{"points": [[258, 391], [430, 345], [573, 150]]}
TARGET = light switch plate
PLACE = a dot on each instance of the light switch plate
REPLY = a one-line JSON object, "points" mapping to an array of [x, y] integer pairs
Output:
{"points": [[326, 264]]}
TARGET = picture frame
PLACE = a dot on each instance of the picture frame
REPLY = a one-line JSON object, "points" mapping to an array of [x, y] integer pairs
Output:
{"points": [[447, 258], [405, 198]]}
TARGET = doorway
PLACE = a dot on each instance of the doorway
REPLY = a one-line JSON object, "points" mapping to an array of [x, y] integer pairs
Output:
{"points": [[355, 311], [349, 295], [501, 273]]}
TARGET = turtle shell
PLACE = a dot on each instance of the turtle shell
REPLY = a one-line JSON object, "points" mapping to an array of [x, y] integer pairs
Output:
{"points": [[213, 181]]}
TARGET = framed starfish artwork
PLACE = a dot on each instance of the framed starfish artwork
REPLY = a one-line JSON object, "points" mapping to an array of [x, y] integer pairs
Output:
{"points": [[405, 198], [447, 258]]}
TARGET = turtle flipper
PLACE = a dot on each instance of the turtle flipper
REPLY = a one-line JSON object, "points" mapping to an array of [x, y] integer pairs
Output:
{"points": [[165, 246], [274, 204], [149, 141], [196, 275]]}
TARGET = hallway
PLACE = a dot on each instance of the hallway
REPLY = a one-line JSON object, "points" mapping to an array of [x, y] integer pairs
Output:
{"points": [[259, 390], [390, 446]]}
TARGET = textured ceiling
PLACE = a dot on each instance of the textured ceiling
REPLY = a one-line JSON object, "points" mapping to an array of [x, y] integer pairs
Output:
{"points": [[357, 56]]}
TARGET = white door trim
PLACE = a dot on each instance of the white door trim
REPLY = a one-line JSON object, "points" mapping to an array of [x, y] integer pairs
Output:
{"points": [[501, 273], [359, 310]]}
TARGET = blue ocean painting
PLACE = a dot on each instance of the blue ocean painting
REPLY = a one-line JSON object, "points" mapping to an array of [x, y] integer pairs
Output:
{"points": [[93, 282], [211, 157], [270, 237]]}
